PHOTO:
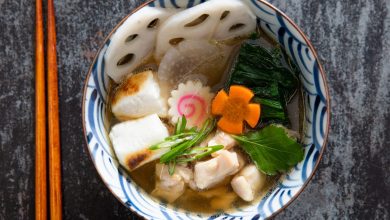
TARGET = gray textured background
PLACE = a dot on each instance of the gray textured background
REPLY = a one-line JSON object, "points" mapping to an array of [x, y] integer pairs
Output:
{"points": [[352, 38]]}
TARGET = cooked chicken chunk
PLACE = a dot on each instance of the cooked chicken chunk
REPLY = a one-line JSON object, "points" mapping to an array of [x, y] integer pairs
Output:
{"points": [[248, 182], [131, 141], [138, 96], [170, 187], [222, 138], [211, 172], [241, 160]]}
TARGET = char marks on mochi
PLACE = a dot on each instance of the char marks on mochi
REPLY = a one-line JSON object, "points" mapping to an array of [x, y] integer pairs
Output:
{"points": [[137, 96], [131, 140], [135, 159]]}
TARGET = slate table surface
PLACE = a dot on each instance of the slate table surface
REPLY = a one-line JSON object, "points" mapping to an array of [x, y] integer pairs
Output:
{"points": [[352, 38]]}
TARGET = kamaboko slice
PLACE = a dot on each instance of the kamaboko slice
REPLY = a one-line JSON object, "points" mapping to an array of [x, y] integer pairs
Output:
{"points": [[194, 60], [236, 20], [192, 100], [198, 22], [134, 41]]}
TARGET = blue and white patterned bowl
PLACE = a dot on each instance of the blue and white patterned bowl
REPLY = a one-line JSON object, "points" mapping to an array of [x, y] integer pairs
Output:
{"points": [[278, 26]]}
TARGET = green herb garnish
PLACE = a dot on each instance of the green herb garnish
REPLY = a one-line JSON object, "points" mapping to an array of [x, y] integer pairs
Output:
{"points": [[199, 153], [182, 143], [271, 149], [181, 125]]}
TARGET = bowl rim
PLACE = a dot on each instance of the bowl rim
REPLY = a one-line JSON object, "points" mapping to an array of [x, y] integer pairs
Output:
{"points": [[321, 71]]}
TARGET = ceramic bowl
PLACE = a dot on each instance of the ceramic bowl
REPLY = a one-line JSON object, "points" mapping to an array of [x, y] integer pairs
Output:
{"points": [[316, 98]]}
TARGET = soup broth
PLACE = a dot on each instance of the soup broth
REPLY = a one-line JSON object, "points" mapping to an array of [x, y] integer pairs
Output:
{"points": [[200, 201], [207, 201]]}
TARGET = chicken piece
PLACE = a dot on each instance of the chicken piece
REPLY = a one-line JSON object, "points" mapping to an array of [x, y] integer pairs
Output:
{"points": [[186, 173], [241, 160], [248, 182], [170, 187], [211, 172], [222, 138], [138, 96], [205, 142], [193, 186], [131, 141]]}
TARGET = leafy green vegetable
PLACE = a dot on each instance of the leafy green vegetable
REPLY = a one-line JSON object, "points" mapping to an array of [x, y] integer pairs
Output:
{"points": [[263, 71], [270, 75], [182, 142], [272, 110], [271, 149]]}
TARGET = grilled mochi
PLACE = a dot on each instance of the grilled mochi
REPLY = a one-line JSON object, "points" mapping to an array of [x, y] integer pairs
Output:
{"points": [[137, 96], [134, 41], [131, 141]]}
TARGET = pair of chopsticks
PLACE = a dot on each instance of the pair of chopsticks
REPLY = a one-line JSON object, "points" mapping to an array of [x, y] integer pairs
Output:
{"points": [[51, 125]]}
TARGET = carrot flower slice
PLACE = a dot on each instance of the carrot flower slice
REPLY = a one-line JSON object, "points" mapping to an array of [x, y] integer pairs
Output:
{"points": [[235, 108]]}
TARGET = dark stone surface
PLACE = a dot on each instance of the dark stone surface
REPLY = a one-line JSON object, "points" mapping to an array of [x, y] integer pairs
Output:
{"points": [[352, 39]]}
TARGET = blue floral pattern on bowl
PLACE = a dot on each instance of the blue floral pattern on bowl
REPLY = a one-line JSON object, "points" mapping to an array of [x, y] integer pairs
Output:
{"points": [[316, 124]]}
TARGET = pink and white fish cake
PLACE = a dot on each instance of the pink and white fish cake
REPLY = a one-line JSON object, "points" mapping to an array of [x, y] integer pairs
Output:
{"points": [[192, 100]]}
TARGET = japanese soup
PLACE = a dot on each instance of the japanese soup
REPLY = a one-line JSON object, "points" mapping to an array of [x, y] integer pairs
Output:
{"points": [[205, 108]]}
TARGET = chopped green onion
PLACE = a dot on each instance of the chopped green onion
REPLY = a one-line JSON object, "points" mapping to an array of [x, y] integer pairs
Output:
{"points": [[171, 167], [200, 153], [182, 142], [181, 125]]}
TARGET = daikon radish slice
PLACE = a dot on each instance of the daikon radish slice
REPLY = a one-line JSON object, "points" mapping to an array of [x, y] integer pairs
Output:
{"points": [[194, 60], [134, 41], [198, 22], [192, 100], [236, 20]]}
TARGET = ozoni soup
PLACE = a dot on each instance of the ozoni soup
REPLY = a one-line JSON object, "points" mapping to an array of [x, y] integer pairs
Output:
{"points": [[206, 109]]}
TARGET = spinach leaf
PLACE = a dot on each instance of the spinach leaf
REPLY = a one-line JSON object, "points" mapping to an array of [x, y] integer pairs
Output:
{"points": [[271, 110], [268, 77], [271, 149]]}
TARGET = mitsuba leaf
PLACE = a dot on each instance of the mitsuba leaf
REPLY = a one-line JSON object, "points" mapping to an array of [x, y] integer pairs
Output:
{"points": [[271, 149]]}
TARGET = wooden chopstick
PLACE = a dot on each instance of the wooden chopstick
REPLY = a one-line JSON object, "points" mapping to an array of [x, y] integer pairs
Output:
{"points": [[53, 117], [40, 118]]}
